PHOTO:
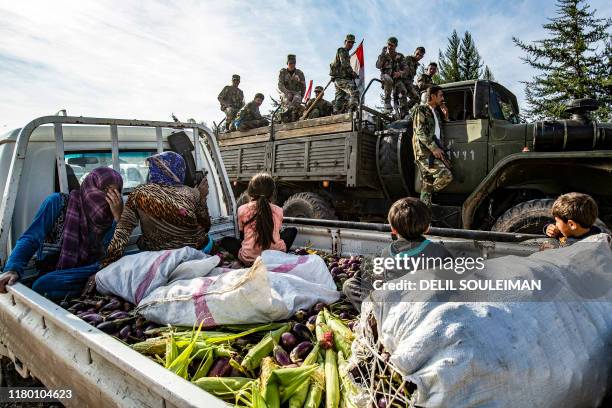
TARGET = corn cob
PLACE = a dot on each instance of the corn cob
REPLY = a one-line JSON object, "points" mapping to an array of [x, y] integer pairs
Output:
{"points": [[299, 397], [223, 386], [269, 386], [332, 387], [343, 336], [348, 390], [262, 349], [317, 386]]}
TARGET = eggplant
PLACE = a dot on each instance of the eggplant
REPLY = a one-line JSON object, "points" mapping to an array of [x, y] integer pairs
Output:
{"points": [[220, 368], [93, 318], [302, 331], [382, 402], [109, 327], [336, 270], [300, 351], [118, 314], [333, 265], [100, 304], [288, 341], [281, 356], [318, 307], [125, 331], [112, 305], [351, 325], [139, 334], [140, 322], [344, 316], [77, 307], [312, 319]]}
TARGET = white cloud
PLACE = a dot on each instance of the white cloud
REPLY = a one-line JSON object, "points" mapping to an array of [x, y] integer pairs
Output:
{"points": [[146, 60]]}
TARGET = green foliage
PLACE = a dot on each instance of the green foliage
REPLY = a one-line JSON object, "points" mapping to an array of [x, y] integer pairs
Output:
{"points": [[460, 61], [574, 61], [448, 63], [487, 74]]}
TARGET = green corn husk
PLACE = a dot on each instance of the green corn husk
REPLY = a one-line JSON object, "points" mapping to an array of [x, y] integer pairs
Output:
{"points": [[204, 366], [317, 387], [268, 385], [262, 349], [171, 351], [223, 387], [180, 364], [319, 326], [290, 379], [343, 336], [332, 386], [299, 397], [348, 389], [238, 328]]}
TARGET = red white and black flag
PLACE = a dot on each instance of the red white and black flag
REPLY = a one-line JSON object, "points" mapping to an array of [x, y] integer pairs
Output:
{"points": [[308, 91], [357, 62]]}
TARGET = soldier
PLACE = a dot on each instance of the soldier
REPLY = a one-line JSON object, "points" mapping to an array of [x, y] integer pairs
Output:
{"points": [[411, 63], [249, 116], [231, 99], [428, 145], [291, 86], [321, 107], [425, 80], [391, 65], [344, 78]]}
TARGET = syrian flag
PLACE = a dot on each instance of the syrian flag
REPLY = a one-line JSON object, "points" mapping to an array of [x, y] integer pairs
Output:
{"points": [[357, 62], [308, 91]]}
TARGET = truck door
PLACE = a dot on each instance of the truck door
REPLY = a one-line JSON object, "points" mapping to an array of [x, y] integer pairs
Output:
{"points": [[466, 137]]}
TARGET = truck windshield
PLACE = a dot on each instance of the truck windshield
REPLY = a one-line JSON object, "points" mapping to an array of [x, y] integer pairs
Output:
{"points": [[501, 106]]}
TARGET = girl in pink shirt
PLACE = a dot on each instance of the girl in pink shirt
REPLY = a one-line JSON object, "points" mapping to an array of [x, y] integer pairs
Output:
{"points": [[259, 222]]}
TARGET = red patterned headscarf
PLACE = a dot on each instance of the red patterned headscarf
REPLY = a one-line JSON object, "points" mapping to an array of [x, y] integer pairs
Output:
{"points": [[87, 213]]}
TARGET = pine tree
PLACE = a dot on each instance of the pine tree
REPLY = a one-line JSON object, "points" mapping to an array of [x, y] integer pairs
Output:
{"points": [[573, 62], [487, 74], [448, 63], [470, 63]]}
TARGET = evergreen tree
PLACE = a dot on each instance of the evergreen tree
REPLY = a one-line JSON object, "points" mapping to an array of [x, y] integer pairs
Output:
{"points": [[573, 62], [487, 74], [448, 63], [470, 63]]}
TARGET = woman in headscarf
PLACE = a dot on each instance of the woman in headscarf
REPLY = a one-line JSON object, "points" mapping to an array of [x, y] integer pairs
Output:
{"points": [[69, 234], [171, 215]]}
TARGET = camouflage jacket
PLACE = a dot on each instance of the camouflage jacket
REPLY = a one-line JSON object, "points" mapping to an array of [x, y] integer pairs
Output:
{"points": [[291, 81], [249, 112], [325, 107], [424, 82], [424, 136], [231, 96], [340, 67], [410, 68], [388, 64]]}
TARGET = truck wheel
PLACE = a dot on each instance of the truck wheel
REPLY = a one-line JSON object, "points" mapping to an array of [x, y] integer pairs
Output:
{"points": [[308, 205], [530, 217]]}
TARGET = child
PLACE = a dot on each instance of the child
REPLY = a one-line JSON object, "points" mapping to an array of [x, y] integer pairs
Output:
{"points": [[575, 214], [409, 219], [259, 222]]}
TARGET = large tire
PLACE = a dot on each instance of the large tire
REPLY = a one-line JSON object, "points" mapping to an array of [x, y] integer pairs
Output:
{"points": [[308, 205], [530, 217]]}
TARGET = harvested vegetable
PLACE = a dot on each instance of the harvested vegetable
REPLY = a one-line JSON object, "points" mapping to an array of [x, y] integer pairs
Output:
{"points": [[253, 358], [332, 386], [300, 351]]}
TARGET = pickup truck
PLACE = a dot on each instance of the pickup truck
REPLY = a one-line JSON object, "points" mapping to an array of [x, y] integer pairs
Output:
{"points": [[50, 344]]}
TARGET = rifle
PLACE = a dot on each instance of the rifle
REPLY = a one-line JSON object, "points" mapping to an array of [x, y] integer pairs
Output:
{"points": [[444, 159], [318, 98]]}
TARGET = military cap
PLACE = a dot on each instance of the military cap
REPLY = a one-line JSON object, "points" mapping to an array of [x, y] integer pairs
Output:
{"points": [[350, 37], [392, 40], [290, 58], [318, 88], [259, 95], [235, 77]]}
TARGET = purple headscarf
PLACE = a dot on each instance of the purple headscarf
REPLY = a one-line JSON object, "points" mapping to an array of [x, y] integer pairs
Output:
{"points": [[87, 212], [167, 168]]}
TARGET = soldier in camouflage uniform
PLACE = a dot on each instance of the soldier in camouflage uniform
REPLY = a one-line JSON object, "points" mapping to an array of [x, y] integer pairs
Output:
{"points": [[391, 65], [428, 145], [291, 87], [231, 99], [347, 94], [425, 80], [411, 63], [321, 107], [249, 116]]}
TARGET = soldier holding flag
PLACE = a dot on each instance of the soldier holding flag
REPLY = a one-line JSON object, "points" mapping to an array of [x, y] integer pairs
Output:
{"points": [[343, 75]]}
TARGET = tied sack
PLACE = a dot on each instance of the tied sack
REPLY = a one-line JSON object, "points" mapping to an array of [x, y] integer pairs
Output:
{"points": [[274, 288]]}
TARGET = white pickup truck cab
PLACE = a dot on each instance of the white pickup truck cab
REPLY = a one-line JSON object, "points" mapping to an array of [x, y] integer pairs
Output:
{"points": [[62, 351]]}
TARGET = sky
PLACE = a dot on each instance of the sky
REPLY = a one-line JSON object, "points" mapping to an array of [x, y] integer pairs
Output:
{"points": [[146, 60]]}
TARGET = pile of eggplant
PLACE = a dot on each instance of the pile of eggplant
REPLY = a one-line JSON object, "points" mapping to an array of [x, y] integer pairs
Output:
{"points": [[112, 315]]}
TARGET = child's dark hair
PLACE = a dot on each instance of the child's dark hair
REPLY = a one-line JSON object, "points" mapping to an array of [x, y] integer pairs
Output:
{"points": [[410, 217], [578, 207], [261, 190]]}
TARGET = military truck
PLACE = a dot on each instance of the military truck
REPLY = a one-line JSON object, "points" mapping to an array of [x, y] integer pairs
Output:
{"points": [[506, 173]]}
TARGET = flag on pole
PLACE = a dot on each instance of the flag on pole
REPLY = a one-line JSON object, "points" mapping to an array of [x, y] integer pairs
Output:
{"points": [[357, 62], [308, 91]]}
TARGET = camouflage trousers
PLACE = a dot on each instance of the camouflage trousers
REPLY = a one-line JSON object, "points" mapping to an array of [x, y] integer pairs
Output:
{"points": [[397, 88], [434, 177], [230, 115], [347, 95], [252, 124], [314, 113], [291, 107]]}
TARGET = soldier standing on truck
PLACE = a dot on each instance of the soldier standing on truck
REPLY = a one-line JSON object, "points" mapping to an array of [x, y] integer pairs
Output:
{"points": [[231, 99], [391, 65], [344, 78], [428, 145], [321, 107], [425, 80], [249, 116], [291, 86], [411, 63]]}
